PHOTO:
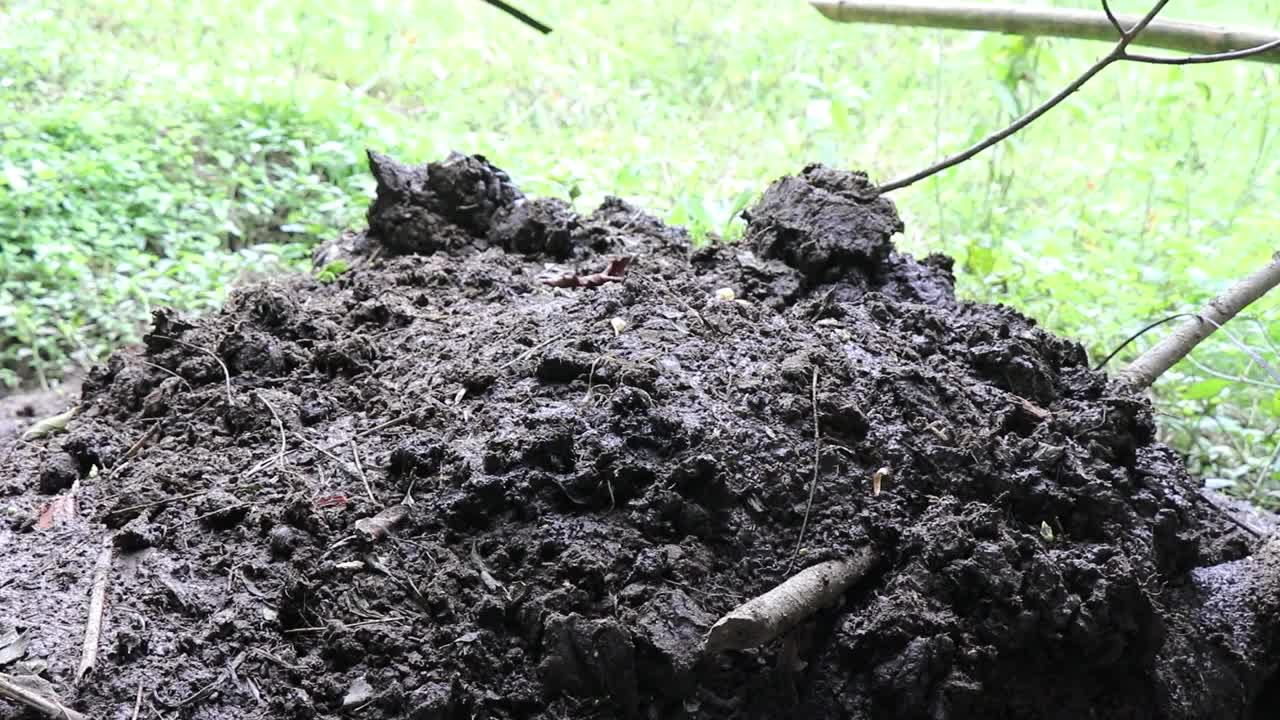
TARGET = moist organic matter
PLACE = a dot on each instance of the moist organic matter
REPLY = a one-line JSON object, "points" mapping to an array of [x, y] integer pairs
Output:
{"points": [[451, 484]]}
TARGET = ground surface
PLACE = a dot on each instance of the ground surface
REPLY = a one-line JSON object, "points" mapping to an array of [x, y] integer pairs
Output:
{"points": [[582, 479], [221, 140]]}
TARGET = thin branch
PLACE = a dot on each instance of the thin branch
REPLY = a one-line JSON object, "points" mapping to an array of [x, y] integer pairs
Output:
{"points": [[1111, 18], [1117, 53], [97, 603], [1242, 379], [1204, 59], [520, 15], [1140, 333], [24, 695], [284, 447], [226, 374], [1120, 52], [355, 453], [363, 433], [342, 464]]}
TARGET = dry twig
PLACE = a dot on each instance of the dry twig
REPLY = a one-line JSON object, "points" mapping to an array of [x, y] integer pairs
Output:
{"points": [[332, 446], [279, 424], [765, 617], [226, 374], [25, 696], [355, 453], [97, 602], [817, 463]]}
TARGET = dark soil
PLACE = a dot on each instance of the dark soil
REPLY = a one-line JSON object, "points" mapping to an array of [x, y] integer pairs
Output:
{"points": [[571, 484]]}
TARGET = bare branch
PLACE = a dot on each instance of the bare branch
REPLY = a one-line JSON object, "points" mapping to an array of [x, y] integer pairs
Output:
{"points": [[1154, 362], [1205, 59], [520, 15], [24, 695], [1148, 328], [1117, 53], [1111, 17], [1027, 20]]}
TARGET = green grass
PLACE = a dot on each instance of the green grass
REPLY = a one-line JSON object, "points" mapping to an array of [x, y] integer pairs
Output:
{"points": [[158, 153]]}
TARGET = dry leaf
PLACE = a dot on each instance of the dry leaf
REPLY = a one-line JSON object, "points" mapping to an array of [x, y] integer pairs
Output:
{"points": [[50, 425], [379, 526]]}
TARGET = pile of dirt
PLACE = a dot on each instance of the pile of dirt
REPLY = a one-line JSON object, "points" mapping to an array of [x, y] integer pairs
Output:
{"points": [[496, 471]]}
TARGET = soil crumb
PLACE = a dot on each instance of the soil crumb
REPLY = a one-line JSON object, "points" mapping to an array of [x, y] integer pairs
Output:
{"points": [[516, 461]]}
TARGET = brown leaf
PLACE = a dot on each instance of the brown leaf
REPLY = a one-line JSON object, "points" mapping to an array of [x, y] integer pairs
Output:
{"points": [[615, 272], [330, 501], [61, 509]]}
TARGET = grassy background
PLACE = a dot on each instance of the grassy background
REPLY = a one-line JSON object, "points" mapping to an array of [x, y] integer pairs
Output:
{"points": [[159, 152]]}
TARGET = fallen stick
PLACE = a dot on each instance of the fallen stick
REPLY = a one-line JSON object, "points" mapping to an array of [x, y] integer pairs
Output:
{"points": [[763, 618], [93, 628], [1164, 354], [1048, 22], [25, 696]]}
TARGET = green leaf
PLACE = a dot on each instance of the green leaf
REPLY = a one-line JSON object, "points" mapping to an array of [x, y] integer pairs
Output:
{"points": [[980, 261], [1205, 389], [332, 270]]}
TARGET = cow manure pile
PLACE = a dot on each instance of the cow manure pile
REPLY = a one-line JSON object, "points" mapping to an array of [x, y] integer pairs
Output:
{"points": [[516, 461]]}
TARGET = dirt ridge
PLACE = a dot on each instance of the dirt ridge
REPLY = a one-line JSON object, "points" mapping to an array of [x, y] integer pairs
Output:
{"points": [[590, 476]]}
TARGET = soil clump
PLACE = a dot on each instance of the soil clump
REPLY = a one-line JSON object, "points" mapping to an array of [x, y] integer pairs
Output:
{"points": [[492, 471]]}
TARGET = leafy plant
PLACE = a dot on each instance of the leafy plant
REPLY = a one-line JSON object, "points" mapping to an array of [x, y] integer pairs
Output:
{"points": [[332, 270]]}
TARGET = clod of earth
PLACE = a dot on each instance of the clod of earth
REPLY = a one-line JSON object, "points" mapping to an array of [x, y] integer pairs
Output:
{"points": [[588, 477]]}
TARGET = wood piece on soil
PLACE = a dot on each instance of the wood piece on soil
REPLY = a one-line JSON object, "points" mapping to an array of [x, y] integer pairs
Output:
{"points": [[29, 698], [763, 618], [97, 603], [1048, 22], [379, 526], [1164, 354]]}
